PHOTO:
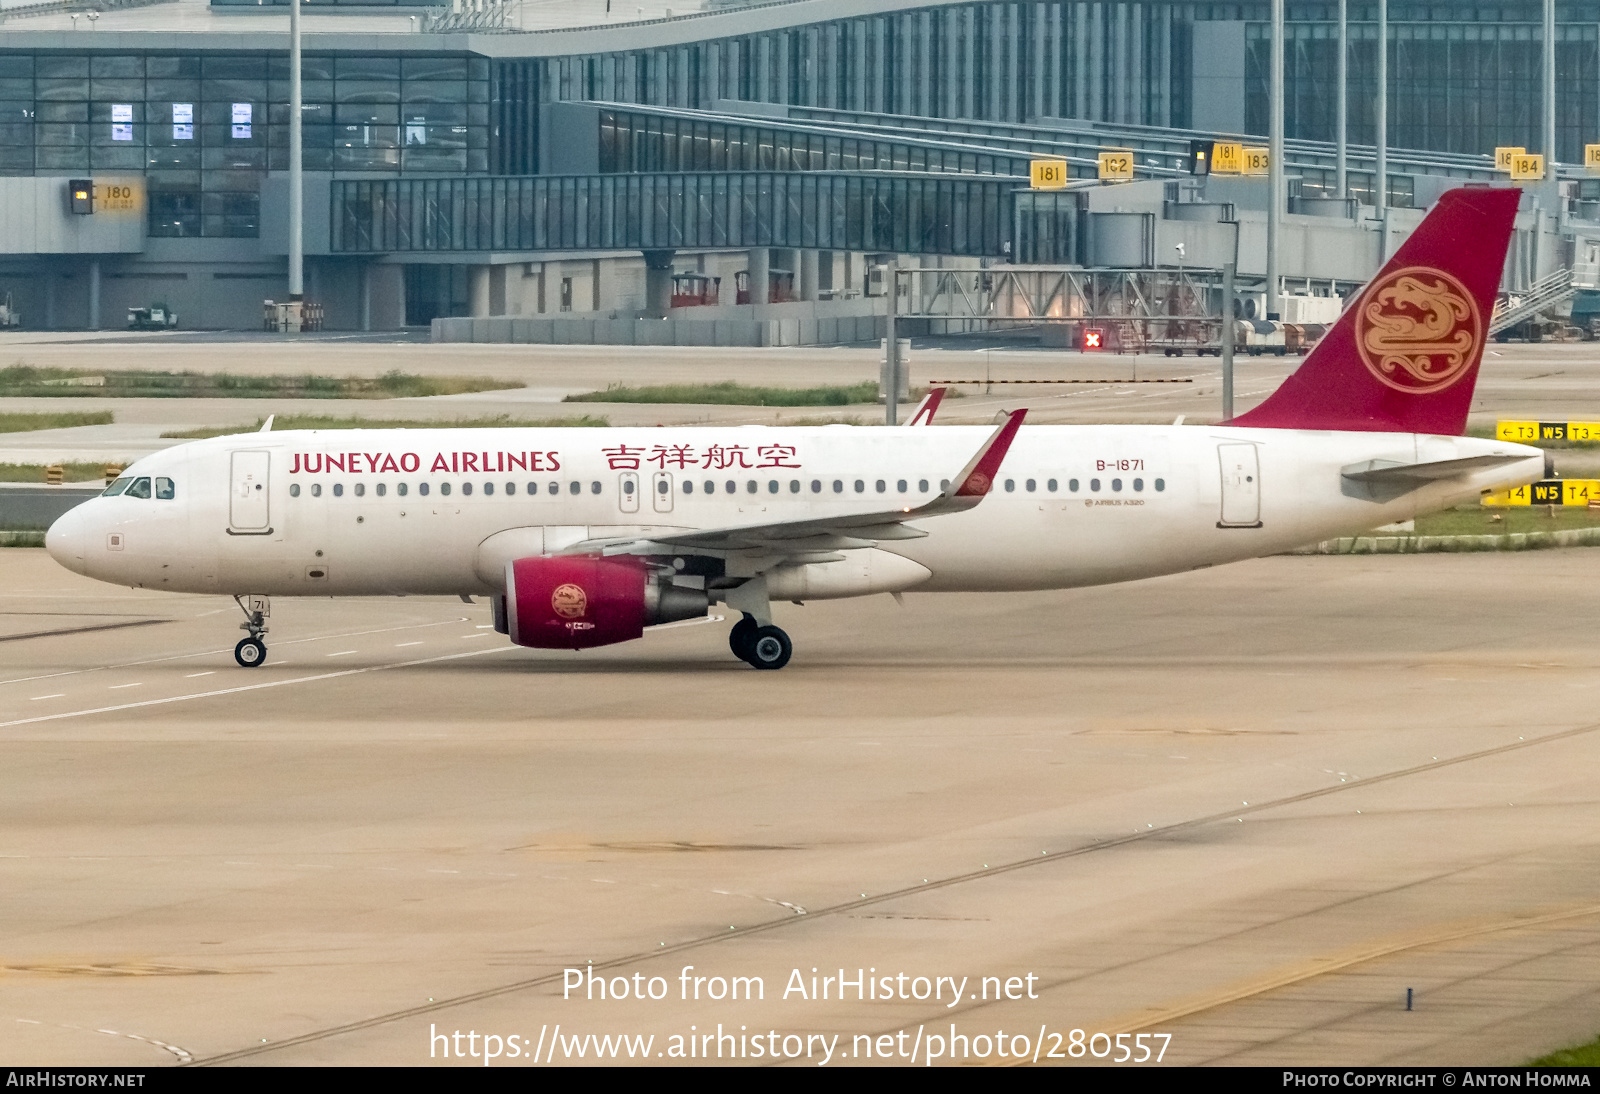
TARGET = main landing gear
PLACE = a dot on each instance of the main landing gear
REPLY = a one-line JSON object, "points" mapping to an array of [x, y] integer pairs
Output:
{"points": [[760, 647], [251, 651]]}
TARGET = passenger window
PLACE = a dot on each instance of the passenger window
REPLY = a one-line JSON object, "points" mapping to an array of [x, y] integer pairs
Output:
{"points": [[1116, 484], [555, 488], [382, 490], [922, 485], [402, 489], [1031, 486], [709, 487], [361, 489], [731, 486], [860, 486], [838, 486], [164, 490], [316, 490], [794, 486], [901, 486], [575, 488], [422, 488], [466, 489], [444, 489], [750, 486], [1072, 485], [944, 484], [1138, 484], [1094, 484], [294, 490], [117, 487], [816, 486], [338, 489], [772, 486], [488, 489], [882, 486], [594, 488], [1011, 484], [511, 489], [1161, 484], [688, 487], [1051, 486], [139, 489]]}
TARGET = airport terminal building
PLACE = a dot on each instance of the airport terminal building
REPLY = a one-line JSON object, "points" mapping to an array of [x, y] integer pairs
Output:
{"points": [[567, 163]]}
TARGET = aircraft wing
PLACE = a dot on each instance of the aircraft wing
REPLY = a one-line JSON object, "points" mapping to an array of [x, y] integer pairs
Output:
{"points": [[929, 406], [846, 531]]}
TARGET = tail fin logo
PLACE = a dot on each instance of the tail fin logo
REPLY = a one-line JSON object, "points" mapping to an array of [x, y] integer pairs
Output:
{"points": [[1418, 330]]}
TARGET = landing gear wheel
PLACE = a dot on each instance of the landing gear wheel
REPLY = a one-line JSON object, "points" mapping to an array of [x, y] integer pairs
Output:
{"points": [[742, 635], [769, 648], [251, 652]]}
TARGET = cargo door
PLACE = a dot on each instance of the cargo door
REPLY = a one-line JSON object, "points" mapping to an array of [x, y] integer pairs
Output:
{"points": [[249, 499], [1241, 486]]}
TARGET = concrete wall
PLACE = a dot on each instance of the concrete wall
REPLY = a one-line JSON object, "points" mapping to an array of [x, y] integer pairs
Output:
{"points": [[35, 219]]}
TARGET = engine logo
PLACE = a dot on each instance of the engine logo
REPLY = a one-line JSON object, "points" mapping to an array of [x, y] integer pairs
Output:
{"points": [[1418, 330], [569, 601]]}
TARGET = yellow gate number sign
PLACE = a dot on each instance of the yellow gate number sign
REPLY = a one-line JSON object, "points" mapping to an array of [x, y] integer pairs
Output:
{"points": [[1227, 159], [1502, 157], [1591, 156], [1533, 432], [1116, 166], [1257, 161], [1527, 168], [122, 196], [1047, 174]]}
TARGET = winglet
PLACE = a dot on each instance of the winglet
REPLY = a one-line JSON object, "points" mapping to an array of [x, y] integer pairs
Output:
{"points": [[977, 478], [266, 426], [928, 407]]}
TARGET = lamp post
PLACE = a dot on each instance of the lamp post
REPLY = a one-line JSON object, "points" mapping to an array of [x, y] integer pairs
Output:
{"points": [[1275, 176], [297, 257]]}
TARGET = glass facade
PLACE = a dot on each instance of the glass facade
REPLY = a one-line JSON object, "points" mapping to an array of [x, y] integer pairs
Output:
{"points": [[912, 214], [1455, 85], [631, 142], [204, 129]]}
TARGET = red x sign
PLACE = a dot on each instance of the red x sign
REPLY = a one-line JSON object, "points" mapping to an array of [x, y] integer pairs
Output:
{"points": [[1092, 339]]}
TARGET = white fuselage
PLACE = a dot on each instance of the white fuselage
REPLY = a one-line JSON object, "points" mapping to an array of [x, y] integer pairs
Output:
{"points": [[395, 512]]}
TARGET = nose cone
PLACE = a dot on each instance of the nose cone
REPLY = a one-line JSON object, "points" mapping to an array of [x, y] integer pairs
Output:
{"points": [[68, 539]]}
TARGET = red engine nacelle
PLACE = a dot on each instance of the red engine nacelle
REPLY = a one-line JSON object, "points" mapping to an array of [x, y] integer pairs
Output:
{"points": [[575, 603]]}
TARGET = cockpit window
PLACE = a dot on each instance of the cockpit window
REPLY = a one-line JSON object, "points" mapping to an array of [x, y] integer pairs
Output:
{"points": [[165, 491], [118, 487], [140, 488]]}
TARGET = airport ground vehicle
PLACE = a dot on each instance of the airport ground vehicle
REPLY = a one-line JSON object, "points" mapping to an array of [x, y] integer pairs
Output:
{"points": [[584, 537]]}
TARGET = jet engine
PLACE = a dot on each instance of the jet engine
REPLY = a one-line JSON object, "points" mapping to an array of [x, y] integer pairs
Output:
{"points": [[581, 601]]}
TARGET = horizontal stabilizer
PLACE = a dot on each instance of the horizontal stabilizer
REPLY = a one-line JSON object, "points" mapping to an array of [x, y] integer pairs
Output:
{"points": [[1391, 471]]}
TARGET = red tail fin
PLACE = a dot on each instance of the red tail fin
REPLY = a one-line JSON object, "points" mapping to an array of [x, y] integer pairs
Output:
{"points": [[1404, 357]]}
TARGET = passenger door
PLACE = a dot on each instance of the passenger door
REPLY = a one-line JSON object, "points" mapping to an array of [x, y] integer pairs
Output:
{"points": [[1241, 486], [250, 495], [661, 491], [628, 491]]}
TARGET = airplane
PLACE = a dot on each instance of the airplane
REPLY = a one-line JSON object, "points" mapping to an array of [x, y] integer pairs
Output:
{"points": [[584, 537]]}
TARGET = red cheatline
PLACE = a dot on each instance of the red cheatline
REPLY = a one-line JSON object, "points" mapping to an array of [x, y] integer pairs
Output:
{"points": [[1060, 381]]}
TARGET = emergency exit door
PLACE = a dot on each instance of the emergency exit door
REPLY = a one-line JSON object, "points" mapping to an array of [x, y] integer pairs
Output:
{"points": [[249, 500], [1241, 486]]}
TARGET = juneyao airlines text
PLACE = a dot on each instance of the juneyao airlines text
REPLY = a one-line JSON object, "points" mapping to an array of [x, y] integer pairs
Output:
{"points": [[864, 985]]}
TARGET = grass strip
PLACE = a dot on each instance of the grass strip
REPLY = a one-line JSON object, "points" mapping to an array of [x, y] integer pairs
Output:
{"points": [[1513, 519], [21, 539], [26, 423], [34, 472], [316, 421], [18, 381], [1580, 1056], [732, 394]]}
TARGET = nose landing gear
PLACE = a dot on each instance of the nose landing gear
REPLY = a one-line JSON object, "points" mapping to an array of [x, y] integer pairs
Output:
{"points": [[252, 651]]}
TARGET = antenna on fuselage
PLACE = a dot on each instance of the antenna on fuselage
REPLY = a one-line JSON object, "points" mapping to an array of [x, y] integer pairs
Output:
{"points": [[266, 426]]}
